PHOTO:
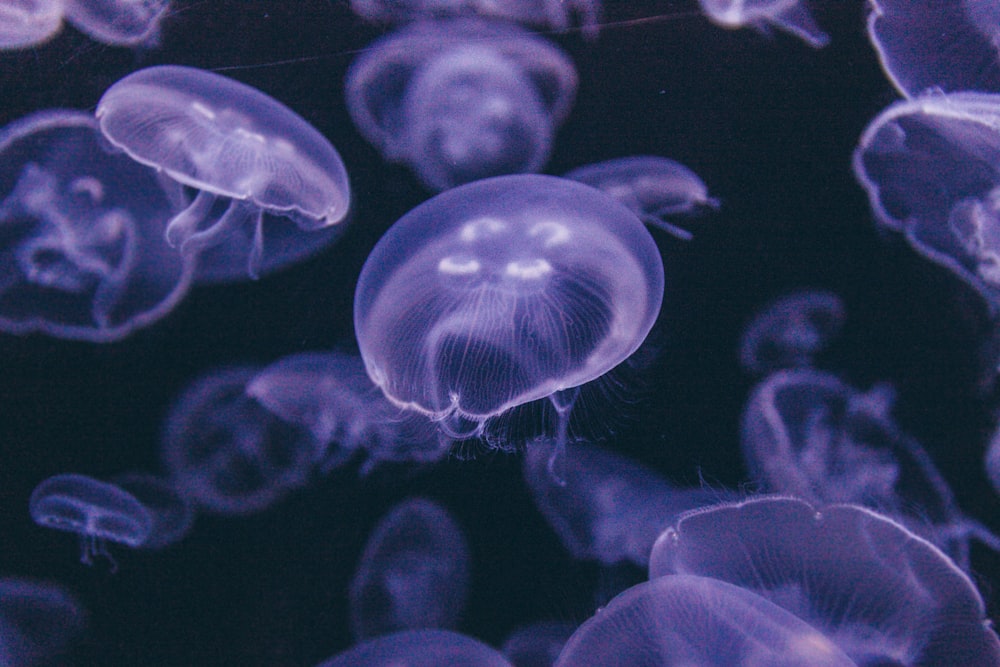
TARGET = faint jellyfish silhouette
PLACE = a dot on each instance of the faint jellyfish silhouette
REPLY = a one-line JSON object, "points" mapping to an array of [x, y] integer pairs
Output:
{"points": [[96, 511], [502, 292], [119, 22], [172, 514], [882, 594], [227, 453], [413, 573], [538, 644], [38, 621], [992, 461], [461, 100], [791, 16], [790, 331], [655, 188], [682, 621], [419, 648], [82, 254], [26, 23], [234, 145]]}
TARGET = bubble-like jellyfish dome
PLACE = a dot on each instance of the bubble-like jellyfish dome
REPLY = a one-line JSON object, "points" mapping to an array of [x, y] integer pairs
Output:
{"points": [[119, 22], [229, 141], [791, 16], [419, 648], [26, 23], [462, 99], [791, 330], [502, 292], [38, 620]]}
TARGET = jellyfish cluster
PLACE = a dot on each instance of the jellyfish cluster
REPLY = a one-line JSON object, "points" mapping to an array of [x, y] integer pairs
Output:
{"points": [[534, 333]]}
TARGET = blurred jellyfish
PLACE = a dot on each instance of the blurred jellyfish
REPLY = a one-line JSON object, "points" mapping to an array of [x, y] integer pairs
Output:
{"points": [[237, 146], [538, 644], [992, 461], [791, 16], [882, 594], [227, 453], [172, 514], [790, 331], [38, 621], [461, 100], [419, 648], [655, 188], [27, 23], [119, 22], [413, 573], [82, 254], [502, 292], [96, 511], [941, 44], [687, 621]]}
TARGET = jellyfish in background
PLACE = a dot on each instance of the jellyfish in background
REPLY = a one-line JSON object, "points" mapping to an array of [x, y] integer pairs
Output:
{"points": [[502, 292], [96, 511], [419, 648], [538, 644], [230, 143], [879, 592], [791, 16], [461, 100], [119, 22], [790, 331], [413, 573], [27, 23], [38, 621], [992, 461], [172, 514], [82, 254]]}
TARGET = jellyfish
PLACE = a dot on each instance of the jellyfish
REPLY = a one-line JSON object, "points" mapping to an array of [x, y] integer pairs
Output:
{"points": [[882, 594], [82, 254], [172, 513], [655, 188], [119, 22], [503, 292], [462, 99], [537, 644], [38, 621], [791, 16], [419, 648], [97, 511], [233, 144], [27, 23], [683, 620], [228, 454], [790, 331], [413, 573], [992, 461]]}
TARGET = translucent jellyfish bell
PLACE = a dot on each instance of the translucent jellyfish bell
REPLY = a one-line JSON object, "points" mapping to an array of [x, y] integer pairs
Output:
{"points": [[230, 142], [461, 100], [38, 620], [419, 648], [882, 594], [537, 644], [26, 23], [791, 330], [791, 16], [502, 292], [119, 22]]}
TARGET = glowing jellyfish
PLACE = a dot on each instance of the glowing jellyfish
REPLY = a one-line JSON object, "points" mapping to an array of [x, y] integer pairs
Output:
{"points": [[119, 22], [419, 648], [227, 453], [96, 511], [26, 23], [413, 573], [683, 621], [538, 644], [502, 292], [172, 514], [82, 254], [461, 100], [38, 621], [234, 144], [992, 461], [655, 188], [790, 331], [791, 16], [882, 594]]}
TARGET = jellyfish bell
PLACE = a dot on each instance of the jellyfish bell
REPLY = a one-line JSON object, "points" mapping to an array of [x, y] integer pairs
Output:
{"points": [[419, 648], [119, 22], [38, 621], [27, 23], [791, 16]]}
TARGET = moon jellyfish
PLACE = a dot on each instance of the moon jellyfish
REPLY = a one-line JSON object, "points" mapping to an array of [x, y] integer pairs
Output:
{"points": [[235, 145], [38, 621], [791, 16], [119, 22], [172, 514], [691, 621], [538, 644], [461, 100], [502, 292], [655, 188], [413, 573], [419, 648], [82, 254], [26, 23], [790, 331], [97, 511], [882, 594], [227, 453]]}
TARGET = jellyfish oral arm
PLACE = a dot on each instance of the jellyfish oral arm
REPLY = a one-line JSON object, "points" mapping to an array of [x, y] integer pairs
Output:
{"points": [[183, 230]]}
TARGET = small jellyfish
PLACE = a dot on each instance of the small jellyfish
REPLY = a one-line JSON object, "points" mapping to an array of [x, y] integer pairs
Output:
{"points": [[27, 23], [419, 648], [655, 188], [235, 145], [413, 573], [693, 621], [502, 292], [227, 453], [461, 100], [790, 331], [538, 644], [172, 514], [97, 511], [38, 621], [882, 594], [119, 22], [791, 16], [82, 254]]}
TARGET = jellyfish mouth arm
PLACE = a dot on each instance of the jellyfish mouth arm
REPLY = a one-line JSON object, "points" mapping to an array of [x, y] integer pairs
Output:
{"points": [[563, 401], [91, 547], [797, 20], [183, 227], [657, 220]]}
